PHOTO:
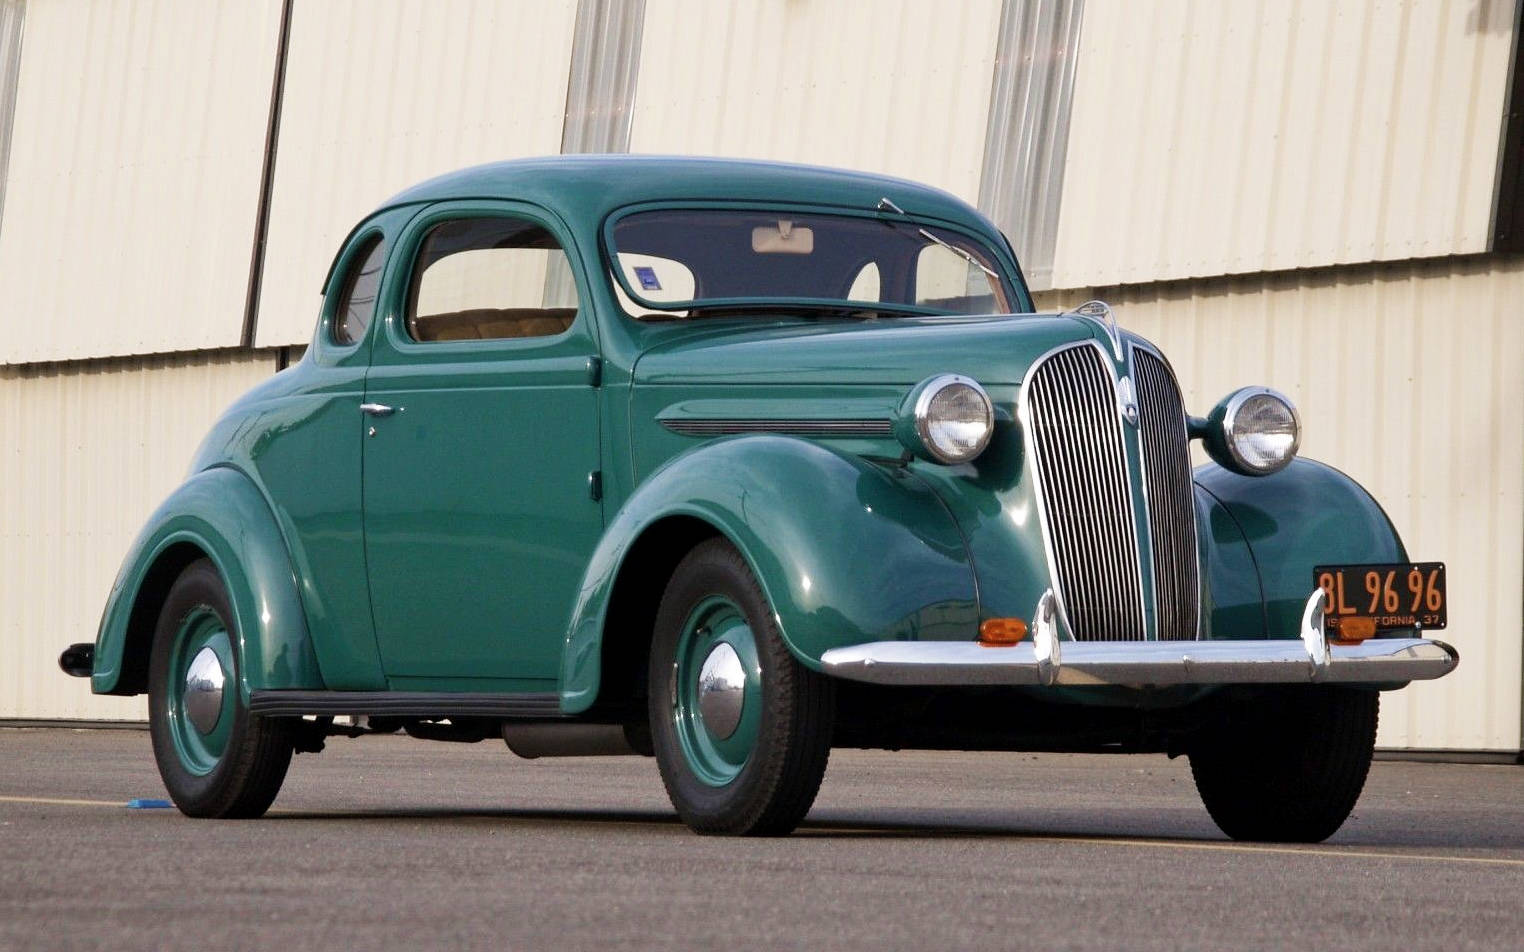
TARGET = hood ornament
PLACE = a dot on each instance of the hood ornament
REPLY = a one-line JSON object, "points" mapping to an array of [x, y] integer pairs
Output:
{"points": [[1100, 312]]}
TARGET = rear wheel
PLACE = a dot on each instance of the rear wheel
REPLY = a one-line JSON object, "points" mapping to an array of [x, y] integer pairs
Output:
{"points": [[216, 759], [1289, 767], [742, 731]]}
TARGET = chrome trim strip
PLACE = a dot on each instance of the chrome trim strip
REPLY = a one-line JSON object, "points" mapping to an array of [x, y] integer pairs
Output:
{"points": [[1141, 663], [725, 426]]}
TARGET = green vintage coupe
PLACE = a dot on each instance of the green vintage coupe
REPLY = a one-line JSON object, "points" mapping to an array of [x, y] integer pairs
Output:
{"points": [[734, 462]]}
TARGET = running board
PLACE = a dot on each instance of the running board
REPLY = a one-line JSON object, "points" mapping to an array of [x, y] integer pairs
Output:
{"points": [[430, 704]]}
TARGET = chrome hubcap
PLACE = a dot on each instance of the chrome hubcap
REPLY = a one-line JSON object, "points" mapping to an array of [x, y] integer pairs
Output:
{"points": [[203, 690], [721, 691]]}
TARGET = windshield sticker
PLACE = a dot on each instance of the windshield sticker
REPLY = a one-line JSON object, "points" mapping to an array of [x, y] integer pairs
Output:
{"points": [[647, 278]]}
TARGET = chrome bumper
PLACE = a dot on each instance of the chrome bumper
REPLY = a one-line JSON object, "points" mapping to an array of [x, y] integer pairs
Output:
{"points": [[1046, 660]]}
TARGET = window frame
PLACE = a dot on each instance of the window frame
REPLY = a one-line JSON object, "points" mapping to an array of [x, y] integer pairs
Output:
{"points": [[347, 276], [410, 247]]}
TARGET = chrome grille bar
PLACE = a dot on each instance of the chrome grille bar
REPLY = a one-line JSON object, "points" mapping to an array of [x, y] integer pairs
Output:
{"points": [[1171, 511], [1081, 465]]}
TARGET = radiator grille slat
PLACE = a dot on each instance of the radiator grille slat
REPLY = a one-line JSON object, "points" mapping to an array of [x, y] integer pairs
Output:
{"points": [[1082, 466], [1081, 456], [1171, 511]]}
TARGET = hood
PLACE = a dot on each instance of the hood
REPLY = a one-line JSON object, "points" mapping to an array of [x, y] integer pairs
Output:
{"points": [[993, 350]]}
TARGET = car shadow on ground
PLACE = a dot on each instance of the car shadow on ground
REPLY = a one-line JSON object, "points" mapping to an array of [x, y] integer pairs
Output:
{"points": [[1173, 826]]}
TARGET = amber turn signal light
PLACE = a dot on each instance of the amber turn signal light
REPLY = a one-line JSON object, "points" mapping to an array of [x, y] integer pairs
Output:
{"points": [[1001, 631], [1352, 631]]}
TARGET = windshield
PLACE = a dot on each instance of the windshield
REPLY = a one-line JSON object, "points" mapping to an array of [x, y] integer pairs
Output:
{"points": [[696, 262]]}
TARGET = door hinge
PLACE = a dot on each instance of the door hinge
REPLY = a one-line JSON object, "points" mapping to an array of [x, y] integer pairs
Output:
{"points": [[594, 371], [595, 485]]}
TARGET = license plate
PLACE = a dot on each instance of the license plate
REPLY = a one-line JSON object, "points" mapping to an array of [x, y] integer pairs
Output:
{"points": [[1399, 595]]}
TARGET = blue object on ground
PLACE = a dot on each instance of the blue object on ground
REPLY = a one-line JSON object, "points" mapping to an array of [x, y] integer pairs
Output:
{"points": [[141, 803]]}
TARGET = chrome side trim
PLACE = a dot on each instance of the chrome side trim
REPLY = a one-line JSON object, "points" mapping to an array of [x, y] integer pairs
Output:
{"points": [[1141, 663], [727, 426]]}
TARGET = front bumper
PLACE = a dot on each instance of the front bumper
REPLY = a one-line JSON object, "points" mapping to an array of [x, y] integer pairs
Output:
{"points": [[1047, 660]]}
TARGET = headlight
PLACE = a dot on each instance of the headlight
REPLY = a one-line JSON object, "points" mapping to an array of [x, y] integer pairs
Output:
{"points": [[946, 419], [1255, 431]]}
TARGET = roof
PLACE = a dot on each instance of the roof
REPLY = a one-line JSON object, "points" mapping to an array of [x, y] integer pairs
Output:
{"points": [[588, 187]]}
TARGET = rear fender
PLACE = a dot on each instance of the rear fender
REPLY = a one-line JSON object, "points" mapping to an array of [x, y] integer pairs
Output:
{"points": [[217, 514], [846, 551]]}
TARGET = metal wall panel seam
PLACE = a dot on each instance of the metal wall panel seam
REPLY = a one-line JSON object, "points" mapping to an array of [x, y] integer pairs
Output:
{"points": [[1506, 229], [12, 27], [132, 176], [605, 64], [1027, 139], [266, 179], [823, 83], [381, 96]]}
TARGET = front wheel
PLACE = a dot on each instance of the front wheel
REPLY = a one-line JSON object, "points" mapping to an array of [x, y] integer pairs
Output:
{"points": [[216, 759], [1288, 767], [742, 731]]}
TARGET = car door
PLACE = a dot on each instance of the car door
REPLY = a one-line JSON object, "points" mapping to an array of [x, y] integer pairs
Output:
{"points": [[481, 450]]}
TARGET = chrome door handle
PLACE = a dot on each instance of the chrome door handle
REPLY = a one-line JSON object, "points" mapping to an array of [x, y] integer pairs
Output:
{"points": [[378, 409]]}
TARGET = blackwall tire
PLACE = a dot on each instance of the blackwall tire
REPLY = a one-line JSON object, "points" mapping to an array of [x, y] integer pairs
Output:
{"points": [[741, 730], [1289, 767], [215, 758]]}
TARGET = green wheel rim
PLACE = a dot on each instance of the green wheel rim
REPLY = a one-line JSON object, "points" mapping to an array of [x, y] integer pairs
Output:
{"points": [[199, 752], [714, 760]]}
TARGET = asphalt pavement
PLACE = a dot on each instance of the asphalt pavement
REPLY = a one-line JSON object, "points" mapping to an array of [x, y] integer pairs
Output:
{"points": [[393, 843]]}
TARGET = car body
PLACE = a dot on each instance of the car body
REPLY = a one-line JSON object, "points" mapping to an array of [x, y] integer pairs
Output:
{"points": [[733, 462]]}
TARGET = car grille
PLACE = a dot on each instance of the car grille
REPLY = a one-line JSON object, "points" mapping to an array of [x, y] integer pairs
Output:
{"points": [[1081, 461], [1171, 508]]}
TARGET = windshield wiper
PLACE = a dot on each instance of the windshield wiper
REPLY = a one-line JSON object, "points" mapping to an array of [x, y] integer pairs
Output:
{"points": [[965, 255]]}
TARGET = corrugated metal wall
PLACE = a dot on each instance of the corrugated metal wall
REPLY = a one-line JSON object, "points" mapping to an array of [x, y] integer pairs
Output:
{"points": [[379, 96], [1215, 137], [134, 176], [86, 453], [1407, 379], [898, 86]]}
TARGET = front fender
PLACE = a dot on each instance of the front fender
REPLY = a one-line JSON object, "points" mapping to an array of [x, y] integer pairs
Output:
{"points": [[1307, 514], [217, 513], [845, 550]]}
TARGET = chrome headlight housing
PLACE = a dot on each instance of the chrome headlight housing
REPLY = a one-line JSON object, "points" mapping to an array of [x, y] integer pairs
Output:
{"points": [[1255, 431], [946, 419]]}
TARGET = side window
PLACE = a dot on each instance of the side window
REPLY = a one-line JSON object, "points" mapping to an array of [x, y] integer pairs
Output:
{"points": [[947, 280], [490, 279], [865, 287], [357, 302]]}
